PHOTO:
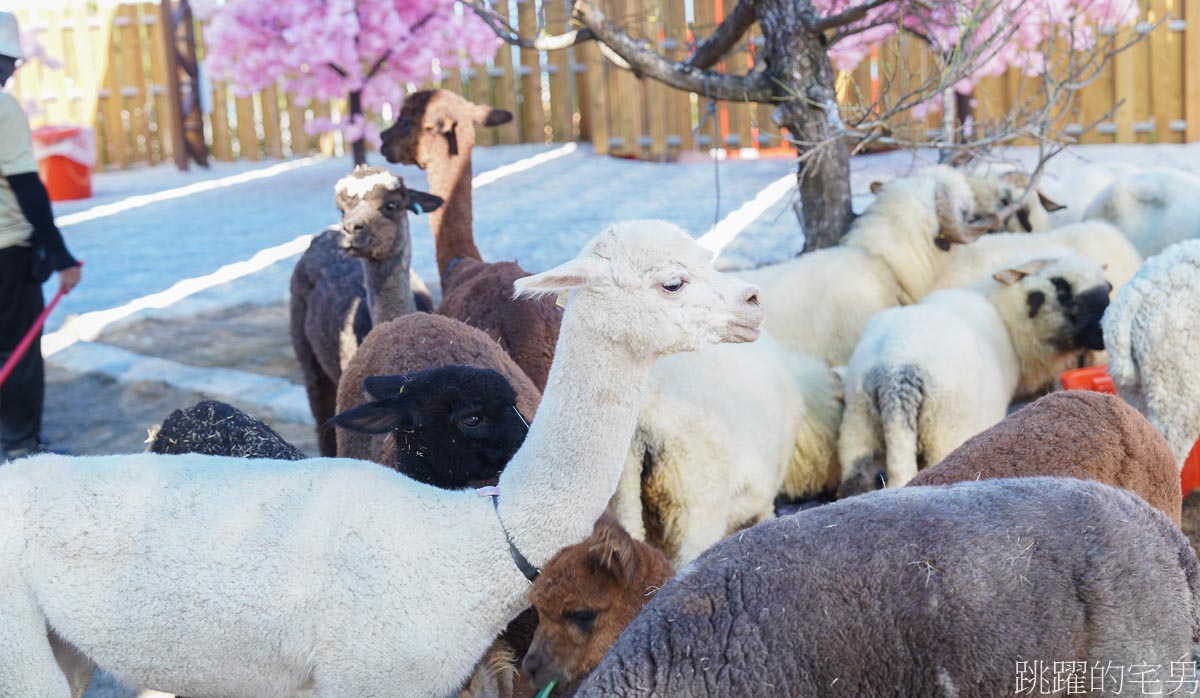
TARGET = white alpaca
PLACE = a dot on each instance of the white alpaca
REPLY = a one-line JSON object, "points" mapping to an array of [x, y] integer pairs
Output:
{"points": [[212, 576]]}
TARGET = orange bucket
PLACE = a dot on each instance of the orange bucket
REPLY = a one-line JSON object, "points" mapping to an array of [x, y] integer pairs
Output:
{"points": [[65, 179], [1096, 378]]}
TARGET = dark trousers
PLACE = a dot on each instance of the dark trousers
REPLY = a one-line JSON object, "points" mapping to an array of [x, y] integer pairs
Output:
{"points": [[22, 395]]}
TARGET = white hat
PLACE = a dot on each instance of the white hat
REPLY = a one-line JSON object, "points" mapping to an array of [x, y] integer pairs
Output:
{"points": [[10, 36]]}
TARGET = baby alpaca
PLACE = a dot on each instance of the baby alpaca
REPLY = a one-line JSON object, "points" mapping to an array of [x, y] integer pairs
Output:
{"points": [[585, 596], [384, 572], [927, 377], [1153, 328], [1072, 433], [455, 426], [921, 591]]}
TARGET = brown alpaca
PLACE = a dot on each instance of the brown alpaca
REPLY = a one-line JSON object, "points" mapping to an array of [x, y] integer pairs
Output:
{"points": [[329, 291], [436, 132], [585, 596]]}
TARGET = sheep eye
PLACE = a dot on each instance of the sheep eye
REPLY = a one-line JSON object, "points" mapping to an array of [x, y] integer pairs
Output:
{"points": [[674, 285], [582, 618], [470, 422]]}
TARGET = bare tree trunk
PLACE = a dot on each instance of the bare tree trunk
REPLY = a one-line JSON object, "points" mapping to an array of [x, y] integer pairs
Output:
{"points": [[797, 58], [359, 146]]}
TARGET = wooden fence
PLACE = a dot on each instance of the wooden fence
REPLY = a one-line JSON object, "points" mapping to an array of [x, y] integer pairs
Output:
{"points": [[113, 77]]}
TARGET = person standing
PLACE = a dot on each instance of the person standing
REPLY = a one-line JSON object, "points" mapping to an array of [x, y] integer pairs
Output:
{"points": [[31, 248]]}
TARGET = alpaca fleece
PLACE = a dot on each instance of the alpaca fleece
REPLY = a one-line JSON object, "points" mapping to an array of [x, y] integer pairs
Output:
{"points": [[328, 320], [1074, 433], [218, 429], [412, 343], [480, 294], [919, 591]]}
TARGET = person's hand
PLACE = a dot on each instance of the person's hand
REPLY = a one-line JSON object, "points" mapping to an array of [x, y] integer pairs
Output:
{"points": [[69, 278]]}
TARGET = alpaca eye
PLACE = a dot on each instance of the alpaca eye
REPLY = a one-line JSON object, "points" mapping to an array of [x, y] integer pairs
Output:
{"points": [[390, 207], [470, 422], [582, 618], [673, 285]]}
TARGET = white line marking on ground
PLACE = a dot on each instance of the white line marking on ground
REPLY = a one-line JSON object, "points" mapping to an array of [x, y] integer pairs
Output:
{"points": [[720, 235], [86, 327], [140, 200]]}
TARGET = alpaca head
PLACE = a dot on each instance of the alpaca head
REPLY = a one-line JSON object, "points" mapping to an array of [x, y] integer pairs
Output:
{"points": [[374, 204], [585, 596], [998, 193], [454, 426], [1063, 298], [435, 125], [649, 288]]}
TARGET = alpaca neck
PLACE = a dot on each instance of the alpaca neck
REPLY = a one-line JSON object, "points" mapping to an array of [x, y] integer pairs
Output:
{"points": [[452, 224], [560, 481], [389, 288]]}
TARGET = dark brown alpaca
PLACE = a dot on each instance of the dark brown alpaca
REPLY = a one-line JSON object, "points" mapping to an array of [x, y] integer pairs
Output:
{"points": [[436, 132], [584, 597]]}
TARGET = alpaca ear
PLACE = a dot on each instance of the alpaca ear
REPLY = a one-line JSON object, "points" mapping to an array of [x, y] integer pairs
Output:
{"points": [[379, 417], [489, 116], [577, 273], [383, 387], [422, 202], [1048, 203], [613, 549]]}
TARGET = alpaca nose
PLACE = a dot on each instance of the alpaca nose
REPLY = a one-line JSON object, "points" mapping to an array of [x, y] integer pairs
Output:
{"points": [[750, 295], [534, 662]]}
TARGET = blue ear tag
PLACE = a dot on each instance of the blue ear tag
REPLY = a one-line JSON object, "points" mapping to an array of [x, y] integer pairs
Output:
{"points": [[417, 207]]}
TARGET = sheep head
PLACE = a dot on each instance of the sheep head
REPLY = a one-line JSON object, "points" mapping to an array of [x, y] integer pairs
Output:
{"points": [[374, 204], [435, 125], [650, 288], [454, 426], [585, 596], [1065, 299], [955, 216], [1020, 207]]}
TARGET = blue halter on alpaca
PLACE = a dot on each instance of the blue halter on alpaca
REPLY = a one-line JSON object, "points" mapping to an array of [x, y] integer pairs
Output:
{"points": [[531, 573]]}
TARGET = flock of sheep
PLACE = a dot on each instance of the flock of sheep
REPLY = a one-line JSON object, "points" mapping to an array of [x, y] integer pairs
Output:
{"points": [[608, 446]]}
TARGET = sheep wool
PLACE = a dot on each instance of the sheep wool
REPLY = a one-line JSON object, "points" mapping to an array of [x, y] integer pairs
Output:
{"points": [[1152, 330], [1073, 433], [921, 591], [1154, 208]]}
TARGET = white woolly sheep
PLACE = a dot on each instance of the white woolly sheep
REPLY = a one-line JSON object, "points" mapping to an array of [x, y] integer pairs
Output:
{"points": [[893, 254], [1154, 208], [383, 573], [923, 591], [927, 377], [720, 434], [1152, 330], [995, 192]]}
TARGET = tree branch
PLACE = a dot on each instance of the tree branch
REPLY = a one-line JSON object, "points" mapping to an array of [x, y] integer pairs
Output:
{"points": [[848, 16], [500, 26], [726, 35], [646, 62]]}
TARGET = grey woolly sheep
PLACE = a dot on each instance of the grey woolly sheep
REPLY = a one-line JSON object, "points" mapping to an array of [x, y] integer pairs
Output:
{"points": [[436, 132], [451, 427], [1072, 433], [413, 343], [921, 591], [1152, 330], [1154, 208], [218, 429]]}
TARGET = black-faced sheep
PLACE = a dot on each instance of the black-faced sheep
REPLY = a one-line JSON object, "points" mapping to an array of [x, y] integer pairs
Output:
{"points": [[998, 192], [451, 427], [332, 293], [1073, 433], [927, 377], [1154, 208], [436, 132], [921, 591], [384, 571], [1152, 330], [218, 429]]}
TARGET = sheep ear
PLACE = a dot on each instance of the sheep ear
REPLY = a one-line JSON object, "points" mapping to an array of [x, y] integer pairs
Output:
{"points": [[613, 549], [489, 116], [379, 417], [577, 273], [1010, 276], [383, 387], [1048, 203], [422, 202], [876, 187]]}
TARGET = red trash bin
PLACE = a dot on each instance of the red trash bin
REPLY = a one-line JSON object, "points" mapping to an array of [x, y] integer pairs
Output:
{"points": [[1096, 378], [65, 155]]}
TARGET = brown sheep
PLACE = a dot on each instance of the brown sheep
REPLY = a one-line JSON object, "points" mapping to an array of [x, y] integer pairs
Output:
{"points": [[1074, 433], [436, 132], [328, 309], [412, 343], [585, 596]]}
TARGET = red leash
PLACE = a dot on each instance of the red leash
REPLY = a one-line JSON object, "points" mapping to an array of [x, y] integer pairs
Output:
{"points": [[27, 340]]}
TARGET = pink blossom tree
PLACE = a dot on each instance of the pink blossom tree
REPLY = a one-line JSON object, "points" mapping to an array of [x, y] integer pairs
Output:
{"points": [[803, 41], [364, 50]]}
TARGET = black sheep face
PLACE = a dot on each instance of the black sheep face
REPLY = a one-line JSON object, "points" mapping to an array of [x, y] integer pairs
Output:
{"points": [[1083, 312], [1065, 299], [453, 427]]}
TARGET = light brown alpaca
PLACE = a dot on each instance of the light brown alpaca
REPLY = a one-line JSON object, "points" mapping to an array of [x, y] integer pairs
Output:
{"points": [[436, 132]]}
